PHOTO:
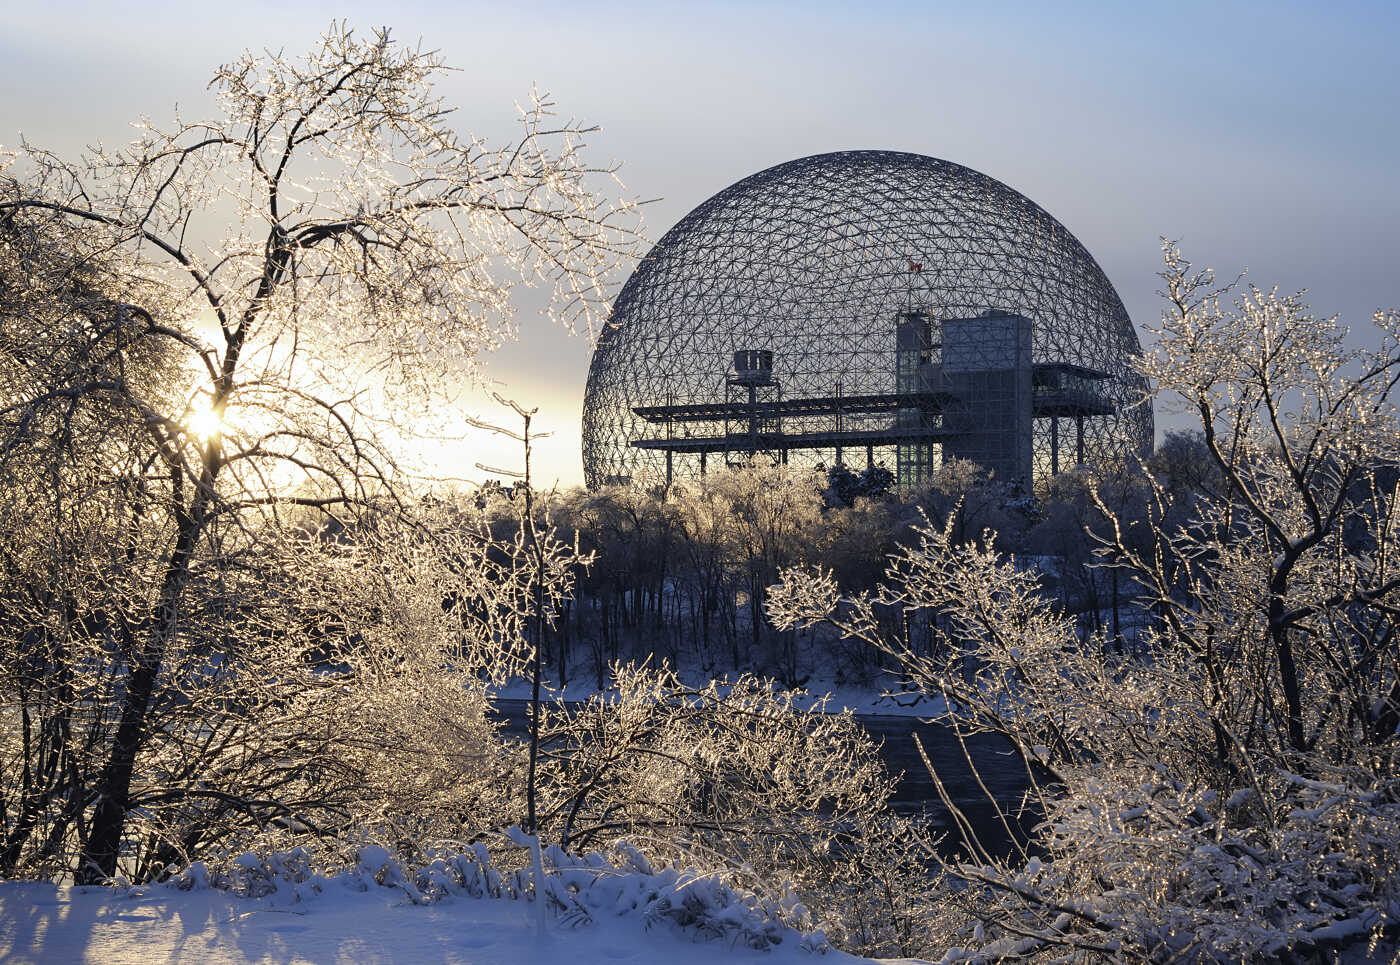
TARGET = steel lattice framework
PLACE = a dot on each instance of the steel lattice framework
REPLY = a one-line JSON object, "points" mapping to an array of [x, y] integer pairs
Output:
{"points": [[846, 267]]}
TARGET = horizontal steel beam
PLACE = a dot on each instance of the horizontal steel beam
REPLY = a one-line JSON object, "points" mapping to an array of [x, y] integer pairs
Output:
{"points": [[820, 405], [773, 442]]}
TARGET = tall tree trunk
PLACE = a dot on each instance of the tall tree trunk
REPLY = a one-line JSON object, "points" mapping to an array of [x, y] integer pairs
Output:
{"points": [[564, 640], [1117, 624], [1288, 675], [98, 859]]}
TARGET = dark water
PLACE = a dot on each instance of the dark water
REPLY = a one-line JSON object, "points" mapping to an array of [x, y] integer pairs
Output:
{"points": [[1001, 771], [1003, 780]]}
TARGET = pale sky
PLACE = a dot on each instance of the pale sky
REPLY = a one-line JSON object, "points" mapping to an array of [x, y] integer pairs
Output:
{"points": [[1261, 135]]}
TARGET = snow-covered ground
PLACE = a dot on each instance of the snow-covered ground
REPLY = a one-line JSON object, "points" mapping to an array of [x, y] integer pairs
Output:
{"points": [[44, 923], [868, 701], [458, 910]]}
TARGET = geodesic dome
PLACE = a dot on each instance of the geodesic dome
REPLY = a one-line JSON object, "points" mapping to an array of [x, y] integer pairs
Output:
{"points": [[911, 307]]}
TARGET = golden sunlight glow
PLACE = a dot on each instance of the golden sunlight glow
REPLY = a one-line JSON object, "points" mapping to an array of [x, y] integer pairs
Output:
{"points": [[204, 423]]}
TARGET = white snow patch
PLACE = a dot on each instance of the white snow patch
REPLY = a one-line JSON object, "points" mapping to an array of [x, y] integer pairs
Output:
{"points": [[458, 909], [867, 701], [44, 923]]}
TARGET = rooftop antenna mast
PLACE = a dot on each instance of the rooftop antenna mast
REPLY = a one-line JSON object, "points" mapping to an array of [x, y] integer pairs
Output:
{"points": [[915, 268]]}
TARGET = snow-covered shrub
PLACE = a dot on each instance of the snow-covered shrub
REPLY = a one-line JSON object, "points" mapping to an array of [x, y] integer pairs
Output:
{"points": [[1192, 875], [436, 617], [1152, 846], [706, 904], [577, 889], [744, 782]]}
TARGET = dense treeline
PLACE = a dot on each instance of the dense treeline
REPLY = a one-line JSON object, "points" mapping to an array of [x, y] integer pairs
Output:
{"points": [[681, 576]]}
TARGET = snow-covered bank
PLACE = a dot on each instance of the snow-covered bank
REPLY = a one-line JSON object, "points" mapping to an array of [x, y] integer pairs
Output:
{"points": [[459, 911], [832, 697], [42, 923]]}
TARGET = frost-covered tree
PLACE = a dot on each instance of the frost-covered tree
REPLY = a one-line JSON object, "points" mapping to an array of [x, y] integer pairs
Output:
{"points": [[216, 327], [1227, 788], [1302, 431], [773, 513], [441, 611]]}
